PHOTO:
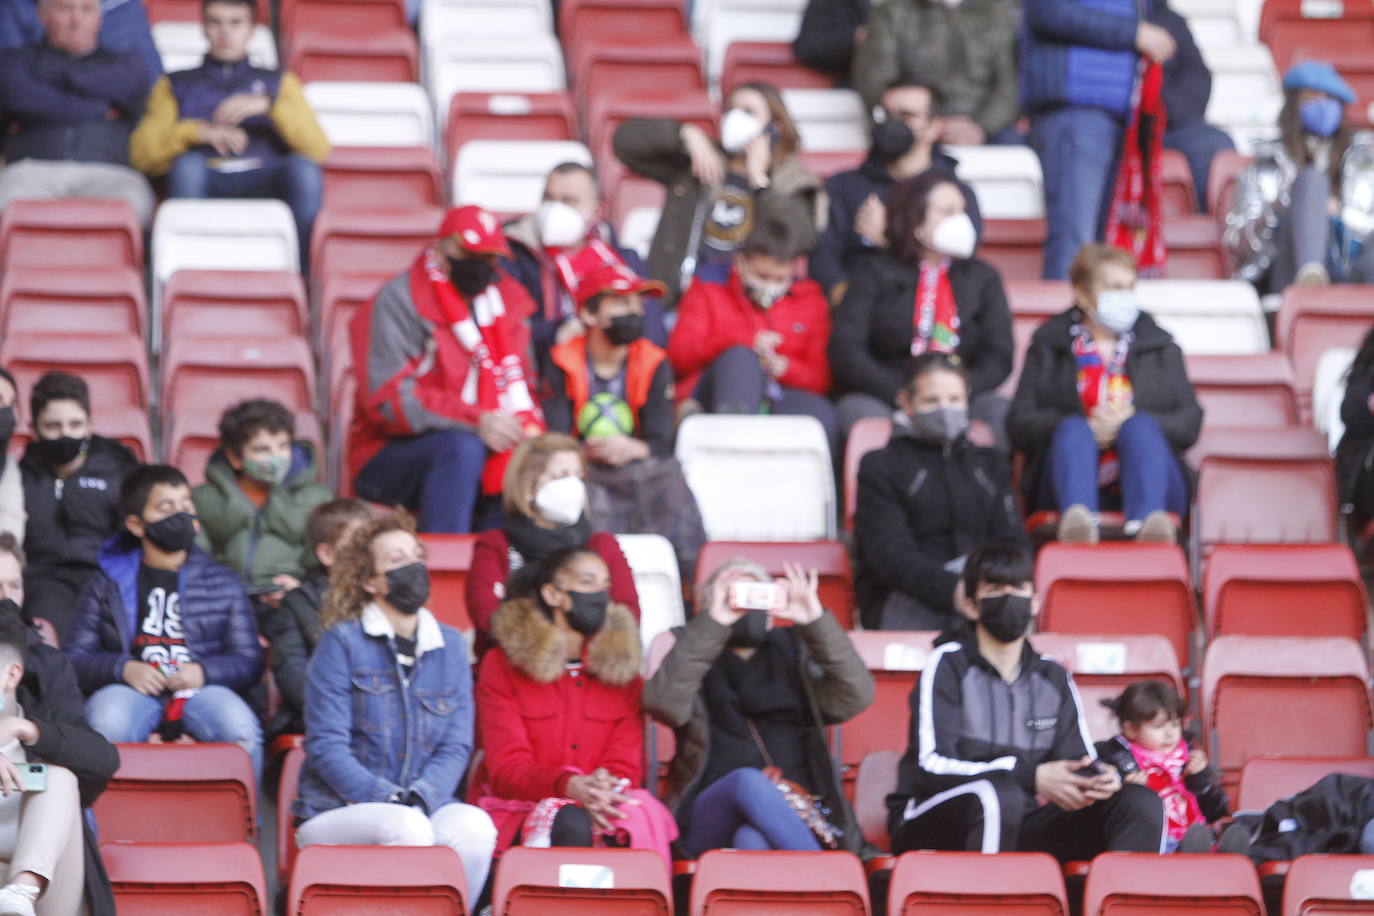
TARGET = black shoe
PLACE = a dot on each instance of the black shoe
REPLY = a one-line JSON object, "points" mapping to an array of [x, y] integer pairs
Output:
{"points": [[1197, 839], [1235, 839]]}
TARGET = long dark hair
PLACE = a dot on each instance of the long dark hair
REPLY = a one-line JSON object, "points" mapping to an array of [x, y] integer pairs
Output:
{"points": [[1293, 135], [907, 204], [1143, 701]]}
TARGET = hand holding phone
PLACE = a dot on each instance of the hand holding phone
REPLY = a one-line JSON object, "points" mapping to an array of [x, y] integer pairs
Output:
{"points": [[757, 596]]}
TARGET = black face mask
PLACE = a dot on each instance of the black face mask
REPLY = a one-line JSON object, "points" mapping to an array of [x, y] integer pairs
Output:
{"points": [[174, 533], [407, 587], [588, 611], [470, 276], [57, 452], [625, 329], [749, 631], [7, 423], [892, 139], [7, 607], [1005, 617]]}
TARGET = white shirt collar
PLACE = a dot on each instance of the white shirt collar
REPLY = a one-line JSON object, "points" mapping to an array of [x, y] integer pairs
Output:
{"points": [[427, 633]]}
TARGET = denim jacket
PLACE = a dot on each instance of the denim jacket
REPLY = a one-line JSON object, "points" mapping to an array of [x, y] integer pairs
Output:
{"points": [[371, 734]]}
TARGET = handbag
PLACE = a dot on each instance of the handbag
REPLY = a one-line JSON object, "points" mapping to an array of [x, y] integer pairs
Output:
{"points": [[806, 806]]}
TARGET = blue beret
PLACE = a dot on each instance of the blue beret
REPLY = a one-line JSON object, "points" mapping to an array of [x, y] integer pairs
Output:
{"points": [[1318, 75]]}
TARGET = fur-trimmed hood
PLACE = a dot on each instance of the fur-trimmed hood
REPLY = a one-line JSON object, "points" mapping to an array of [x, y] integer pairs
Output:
{"points": [[531, 641]]}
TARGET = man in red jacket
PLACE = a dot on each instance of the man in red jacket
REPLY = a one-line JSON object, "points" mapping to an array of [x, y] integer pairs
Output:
{"points": [[442, 362], [757, 343]]}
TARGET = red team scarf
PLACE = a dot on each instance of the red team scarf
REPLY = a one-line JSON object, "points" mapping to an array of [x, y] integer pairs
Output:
{"points": [[570, 268], [1164, 772], [1102, 383], [936, 317], [1135, 219]]}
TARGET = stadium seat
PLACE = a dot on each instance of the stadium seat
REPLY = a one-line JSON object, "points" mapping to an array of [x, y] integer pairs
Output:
{"points": [[374, 243], [367, 880], [736, 881], [210, 302], [341, 404], [1255, 389], [1137, 883], [566, 882], [721, 23], [507, 178], [1288, 24], [1180, 198], [759, 478], [192, 437], [825, 163], [508, 116], [970, 883], [190, 879], [578, 19], [1259, 443], [1328, 391], [1329, 884], [1104, 665], [449, 557], [1032, 303], [828, 119], [1194, 249], [115, 366], [71, 232], [658, 64], [1314, 319], [637, 230], [829, 558], [348, 17], [183, 46], [1284, 696], [1208, 316], [341, 295], [896, 659], [106, 300], [1007, 180], [658, 582], [1213, 23], [1221, 181], [769, 62], [185, 11], [384, 55], [381, 177], [1246, 96], [867, 435], [464, 62], [217, 372], [372, 114], [1265, 780], [1117, 588], [150, 795], [877, 778], [484, 17], [1285, 590], [1015, 247], [127, 425], [288, 784]]}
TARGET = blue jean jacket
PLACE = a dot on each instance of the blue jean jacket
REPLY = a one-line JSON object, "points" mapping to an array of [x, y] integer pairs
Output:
{"points": [[371, 733]]}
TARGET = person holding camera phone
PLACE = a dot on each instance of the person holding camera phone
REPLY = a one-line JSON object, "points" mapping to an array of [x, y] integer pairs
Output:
{"points": [[994, 724], [749, 701]]}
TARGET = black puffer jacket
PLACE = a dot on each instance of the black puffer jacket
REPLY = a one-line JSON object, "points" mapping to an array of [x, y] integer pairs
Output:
{"points": [[293, 629], [69, 523]]}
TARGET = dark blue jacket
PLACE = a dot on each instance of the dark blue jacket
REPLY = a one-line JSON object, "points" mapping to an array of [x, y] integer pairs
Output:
{"points": [[199, 91], [1187, 81], [221, 632], [1079, 53], [123, 27]]}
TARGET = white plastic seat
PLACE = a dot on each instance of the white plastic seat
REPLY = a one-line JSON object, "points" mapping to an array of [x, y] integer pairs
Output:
{"points": [[1207, 316], [658, 582], [182, 46], [827, 119], [716, 23], [638, 227], [484, 17], [1006, 179], [507, 176], [372, 114], [1328, 390], [759, 478], [1245, 87], [461, 61]]}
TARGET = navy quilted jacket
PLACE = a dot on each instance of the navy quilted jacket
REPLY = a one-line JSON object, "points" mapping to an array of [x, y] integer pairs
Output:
{"points": [[1080, 53]]}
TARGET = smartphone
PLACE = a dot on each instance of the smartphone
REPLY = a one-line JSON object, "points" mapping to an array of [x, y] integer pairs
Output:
{"points": [[1089, 771], [33, 776], [757, 596]]}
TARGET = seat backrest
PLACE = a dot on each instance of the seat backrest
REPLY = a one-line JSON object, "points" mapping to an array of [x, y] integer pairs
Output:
{"points": [[1123, 882], [70, 232], [209, 302], [1253, 389], [1007, 180], [449, 558], [199, 879], [508, 177], [769, 62], [371, 242], [580, 18], [1313, 319], [830, 559], [735, 881], [359, 880], [658, 581], [930, 883], [827, 119], [485, 17], [390, 55], [895, 659], [372, 114], [1016, 248], [1300, 507], [155, 785], [876, 779], [1103, 665], [1255, 588], [867, 435], [1208, 316], [182, 46], [465, 62], [215, 372], [223, 235], [721, 22], [1328, 390], [288, 783], [535, 882], [1329, 884], [114, 366], [1265, 780], [1245, 86], [508, 116], [107, 300]]}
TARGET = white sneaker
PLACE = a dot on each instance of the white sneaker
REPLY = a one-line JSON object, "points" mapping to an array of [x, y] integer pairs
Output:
{"points": [[17, 900]]}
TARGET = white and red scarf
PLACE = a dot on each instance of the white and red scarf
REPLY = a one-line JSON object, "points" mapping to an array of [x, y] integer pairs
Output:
{"points": [[560, 283], [1135, 218], [935, 322], [1164, 774]]}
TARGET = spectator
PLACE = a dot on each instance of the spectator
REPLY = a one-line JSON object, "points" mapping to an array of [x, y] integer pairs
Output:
{"points": [[755, 343], [927, 293], [443, 397], [163, 640], [1187, 90], [123, 27], [1300, 212], [1355, 453], [995, 724], [906, 134], [1078, 70], [555, 248], [73, 105], [925, 501], [829, 31], [50, 725], [255, 504], [545, 502], [742, 694], [67, 524], [717, 192], [613, 390], [966, 49], [13, 518], [1104, 408], [388, 711], [560, 720], [229, 129]]}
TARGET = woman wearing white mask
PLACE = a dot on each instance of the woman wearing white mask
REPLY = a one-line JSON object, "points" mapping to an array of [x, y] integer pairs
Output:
{"points": [[1104, 408], [717, 191], [925, 294], [545, 503]]}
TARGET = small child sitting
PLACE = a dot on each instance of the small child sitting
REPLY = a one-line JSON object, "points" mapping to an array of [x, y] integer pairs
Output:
{"points": [[1152, 751]]}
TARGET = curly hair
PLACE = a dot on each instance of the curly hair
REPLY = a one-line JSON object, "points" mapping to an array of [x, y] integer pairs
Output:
{"points": [[346, 597]]}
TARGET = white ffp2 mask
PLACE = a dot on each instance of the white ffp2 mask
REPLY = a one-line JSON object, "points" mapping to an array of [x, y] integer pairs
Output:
{"points": [[559, 224], [562, 501], [954, 236], [737, 128]]}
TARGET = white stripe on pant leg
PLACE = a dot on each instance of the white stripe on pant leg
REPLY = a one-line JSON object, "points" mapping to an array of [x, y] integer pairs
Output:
{"points": [[987, 795]]}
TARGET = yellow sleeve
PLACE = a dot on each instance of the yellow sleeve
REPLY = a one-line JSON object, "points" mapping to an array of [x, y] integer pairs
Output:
{"points": [[161, 136], [295, 121]]}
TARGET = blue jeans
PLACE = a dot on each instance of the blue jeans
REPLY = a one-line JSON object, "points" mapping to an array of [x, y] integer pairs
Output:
{"points": [[1199, 143], [437, 473], [1078, 150], [744, 810], [214, 714], [1151, 478], [294, 179], [736, 383]]}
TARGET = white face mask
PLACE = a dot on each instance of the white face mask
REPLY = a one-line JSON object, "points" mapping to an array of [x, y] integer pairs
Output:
{"points": [[561, 501], [954, 236], [559, 224], [1117, 310], [737, 128]]}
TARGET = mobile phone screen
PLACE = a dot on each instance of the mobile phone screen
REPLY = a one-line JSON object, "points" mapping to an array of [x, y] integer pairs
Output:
{"points": [[34, 776]]}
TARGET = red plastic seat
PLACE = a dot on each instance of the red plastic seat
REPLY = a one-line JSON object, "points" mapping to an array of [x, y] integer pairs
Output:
{"points": [[828, 558], [212, 373], [1016, 248], [386, 55], [179, 793], [1032, 303], [194, 879], [735, 881], [1104, 665], [509, 116], [342, 295], [1117, 588], [205, 303], [567, 882], [825, 163], [1250, 390], [358, 18], [1284, 696], [1194, 249], [661, 64], [369, 177], [449, 558], [1180, 197], [193, 436], [288, 784], [1314, 319], [578, 19], [1323, 884], [1285, 590], [49, 300], [895, 659], [1286, 25], [625, 191], [1016, 883], [769, 62], [877, 778], [1265, 780], [188, 11], [370, 242], [341, 406], [115, 366], [867, 435], [367, 880], [1221, 180], [1152, 885], [73, 232]]}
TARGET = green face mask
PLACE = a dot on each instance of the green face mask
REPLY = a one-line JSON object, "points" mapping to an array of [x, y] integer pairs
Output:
{"points": [[270, 471]]}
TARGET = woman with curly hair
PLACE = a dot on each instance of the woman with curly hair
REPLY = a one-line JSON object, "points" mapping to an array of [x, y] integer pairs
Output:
{"points": [[388, 710]]}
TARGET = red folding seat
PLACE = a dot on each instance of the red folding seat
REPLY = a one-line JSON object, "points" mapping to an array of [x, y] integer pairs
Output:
{"points": [[769, 62], [341, 406], [1326, 884], [877, 778], [509, 116], [566, 882], [179, 793], [1261, 443], [895, 659], [212, 373], [1254, 389], [367, 880], [1265, 780], [380, 177], [288, 784], [72, 232], [737, 881], [660, 64], [51, 300], [625, 191], [867, 435], [342, 295], [1032, 303], [1016, 248], [358, 18], [188, 11], [1313, 319], [115, 366], [1180, 198], [1221, 181], [196, 879], [386, 55], [1284, 696], [1285, 590], [1117, 588], [373, 242], [449, 557], [206, 303], [1016, 883], [1286, 25], [1150, 885], [1194, 249], [825, 163], [1104, 665], [828, 558], [580, 19], [193, 436]]}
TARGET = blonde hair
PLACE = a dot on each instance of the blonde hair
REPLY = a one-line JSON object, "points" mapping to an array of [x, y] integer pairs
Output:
{"points": [[529, 461], [1090, 257], [353, 566]]}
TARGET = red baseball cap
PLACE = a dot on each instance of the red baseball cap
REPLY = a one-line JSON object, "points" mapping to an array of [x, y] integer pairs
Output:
{"points": [[617, 279], [475, 229]]}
